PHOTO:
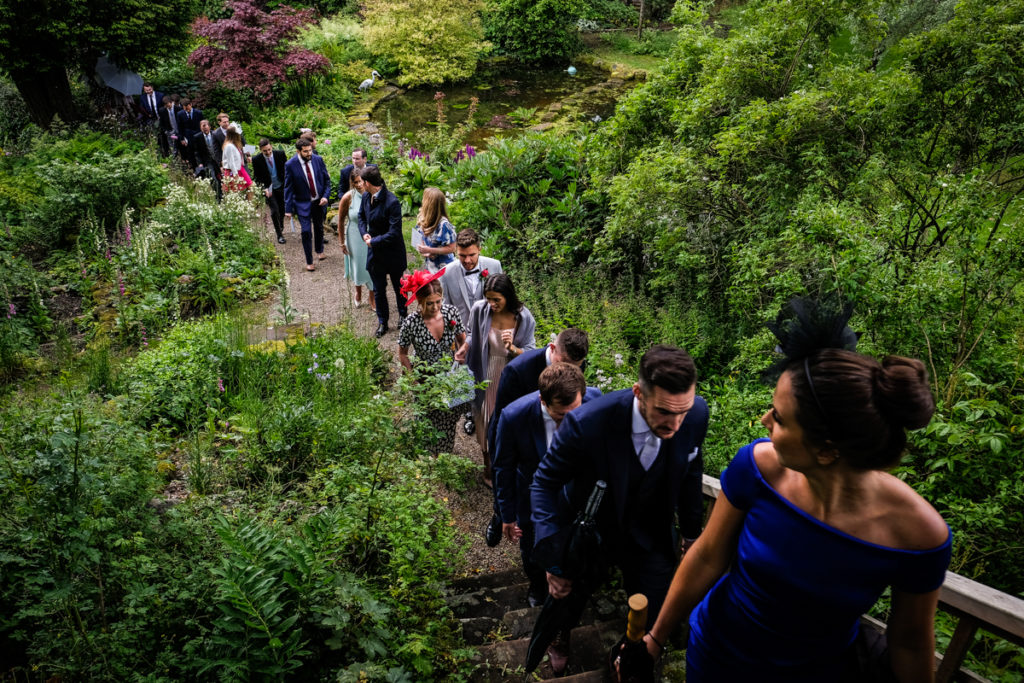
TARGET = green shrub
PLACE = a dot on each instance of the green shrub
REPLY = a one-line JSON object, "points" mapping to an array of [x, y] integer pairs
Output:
{"points": [[431, 41], [534, 31]]}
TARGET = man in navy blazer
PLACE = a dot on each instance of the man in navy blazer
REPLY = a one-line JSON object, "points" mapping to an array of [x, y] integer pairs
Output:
{"points": [[380, 224], [525, 431], [307, 185], [645, 443], [150, 102], [188, 125]]}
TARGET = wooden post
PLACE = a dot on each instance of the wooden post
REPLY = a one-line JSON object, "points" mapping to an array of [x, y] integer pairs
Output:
{"points": [[640, 25], [954, 656]]}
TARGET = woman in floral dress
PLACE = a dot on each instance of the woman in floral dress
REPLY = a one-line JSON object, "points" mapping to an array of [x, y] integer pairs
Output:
{"points": [[434, 332]]}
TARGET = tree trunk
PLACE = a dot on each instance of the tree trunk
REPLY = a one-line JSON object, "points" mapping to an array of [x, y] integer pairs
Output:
{"points": [[640, 25], [47, 93]]}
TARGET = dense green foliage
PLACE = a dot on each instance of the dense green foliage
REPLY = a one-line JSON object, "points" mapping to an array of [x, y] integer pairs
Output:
{"points": [[534, 30], [309, 543]]}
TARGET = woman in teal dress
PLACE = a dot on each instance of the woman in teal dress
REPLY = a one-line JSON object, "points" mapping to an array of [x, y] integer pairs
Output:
{"points": [[810, 529], [352, 244]]}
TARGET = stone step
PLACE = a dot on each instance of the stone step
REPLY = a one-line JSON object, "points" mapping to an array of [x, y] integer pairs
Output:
{"points": [[488, 602], [471, 584], [504, 660]]}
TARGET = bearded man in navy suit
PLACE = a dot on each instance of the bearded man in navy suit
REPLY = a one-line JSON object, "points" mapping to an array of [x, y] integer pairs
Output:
{"points": [[645, 443], [307, 185], [524, 432], [380, 224]]}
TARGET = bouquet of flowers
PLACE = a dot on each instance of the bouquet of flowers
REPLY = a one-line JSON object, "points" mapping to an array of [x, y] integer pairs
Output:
{"points": [[231, 182]]}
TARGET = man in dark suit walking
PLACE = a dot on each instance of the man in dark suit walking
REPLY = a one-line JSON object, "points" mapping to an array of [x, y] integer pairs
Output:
{"points": [[206, 163], [169, 133], [307, 185], [150, 102], [519, 378], [524, 432], [344, 181], [268, 172], [645, 443], [380, 224], [188, 125]]}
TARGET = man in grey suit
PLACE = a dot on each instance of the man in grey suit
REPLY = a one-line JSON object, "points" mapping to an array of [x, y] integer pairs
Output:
{"points": [[463, 281]]}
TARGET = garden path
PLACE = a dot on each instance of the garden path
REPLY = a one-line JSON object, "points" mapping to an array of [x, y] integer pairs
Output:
{"points": [[326, 296]]}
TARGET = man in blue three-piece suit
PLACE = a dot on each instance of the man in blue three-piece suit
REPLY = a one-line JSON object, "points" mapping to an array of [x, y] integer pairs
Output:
{"points": [[525, 430], [307, 185], [380, 224], [646, 444]]}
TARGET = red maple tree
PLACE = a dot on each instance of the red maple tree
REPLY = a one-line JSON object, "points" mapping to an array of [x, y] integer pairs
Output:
{"points": [[250, 48]]}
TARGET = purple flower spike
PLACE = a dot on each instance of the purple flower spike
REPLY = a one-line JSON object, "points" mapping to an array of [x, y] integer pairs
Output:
{"points": [[220, 385], [11, 310]]}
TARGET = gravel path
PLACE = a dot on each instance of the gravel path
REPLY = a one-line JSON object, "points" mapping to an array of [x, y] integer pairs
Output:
{"points": [[326, 296]]}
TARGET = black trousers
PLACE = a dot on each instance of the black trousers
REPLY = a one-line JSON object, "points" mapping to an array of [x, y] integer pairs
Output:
{"points": [[313, 232], [534, 572], [380, 287], [275, 202]]}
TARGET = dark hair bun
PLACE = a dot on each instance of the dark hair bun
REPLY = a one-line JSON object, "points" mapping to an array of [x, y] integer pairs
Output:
{"points": [[902, 392]]}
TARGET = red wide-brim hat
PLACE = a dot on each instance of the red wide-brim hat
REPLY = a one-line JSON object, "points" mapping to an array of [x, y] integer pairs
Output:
{"points": [[412, 283]]}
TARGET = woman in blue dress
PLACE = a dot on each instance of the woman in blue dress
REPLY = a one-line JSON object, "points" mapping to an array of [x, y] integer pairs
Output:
{"points": [[352, 244], [810, 529]]}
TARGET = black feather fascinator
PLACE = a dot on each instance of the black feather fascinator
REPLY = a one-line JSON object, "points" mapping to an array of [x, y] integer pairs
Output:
{"points": [[805, 326]]}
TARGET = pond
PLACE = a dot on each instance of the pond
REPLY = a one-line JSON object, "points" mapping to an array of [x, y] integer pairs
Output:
{"points": [[506, 97]]}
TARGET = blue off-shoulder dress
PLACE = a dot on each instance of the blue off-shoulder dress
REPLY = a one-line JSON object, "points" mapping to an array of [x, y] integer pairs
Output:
{"points": [[790, 606]]}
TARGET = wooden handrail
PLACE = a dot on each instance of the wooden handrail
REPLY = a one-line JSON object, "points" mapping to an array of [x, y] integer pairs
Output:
{"points": [[973, 604]]}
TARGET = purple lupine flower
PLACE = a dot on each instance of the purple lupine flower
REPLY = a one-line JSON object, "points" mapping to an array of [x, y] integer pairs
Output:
{"points": [[128, 234], [220, 385], [11, 311], [460, 156], [120, 284], [470, 151]]}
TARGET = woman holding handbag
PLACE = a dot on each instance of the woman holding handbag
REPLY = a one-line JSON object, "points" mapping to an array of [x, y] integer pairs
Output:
{"points": [[434, 331]]}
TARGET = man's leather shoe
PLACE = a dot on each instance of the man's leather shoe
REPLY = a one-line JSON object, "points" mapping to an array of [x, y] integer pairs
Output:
{"points": [[281, 240], [558, 653], [493, 532], [381, 331], [537, 597]]}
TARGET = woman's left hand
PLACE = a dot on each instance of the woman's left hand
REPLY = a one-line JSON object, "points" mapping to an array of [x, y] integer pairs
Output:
{"points": [[506, 338]]}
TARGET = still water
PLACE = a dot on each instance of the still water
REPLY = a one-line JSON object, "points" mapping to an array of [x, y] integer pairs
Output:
{"points": [[501, 92]]}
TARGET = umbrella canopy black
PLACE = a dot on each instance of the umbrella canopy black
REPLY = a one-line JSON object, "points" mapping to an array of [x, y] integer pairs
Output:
{"points": [[123, 81], [583, 564]]}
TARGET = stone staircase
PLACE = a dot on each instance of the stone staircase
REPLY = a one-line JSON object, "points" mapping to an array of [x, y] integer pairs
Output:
{"points": [[497, 621]]}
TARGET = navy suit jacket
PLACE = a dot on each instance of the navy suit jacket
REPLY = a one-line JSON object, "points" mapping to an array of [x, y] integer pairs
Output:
{"points": [[297, 199], [165, 118], [594, 442], [383, 223], [517, 379], [520, 445], [189, 126], [144, 104]]}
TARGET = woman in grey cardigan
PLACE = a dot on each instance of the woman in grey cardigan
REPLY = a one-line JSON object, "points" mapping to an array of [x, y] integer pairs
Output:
{"points": [[500, 329]]}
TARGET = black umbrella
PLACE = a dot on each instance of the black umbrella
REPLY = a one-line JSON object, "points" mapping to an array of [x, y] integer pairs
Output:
{"points": [[583, 564], [122, 80]]}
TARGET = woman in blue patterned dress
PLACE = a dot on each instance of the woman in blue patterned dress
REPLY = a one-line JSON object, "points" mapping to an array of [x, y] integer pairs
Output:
{"points": [[438, 233]]}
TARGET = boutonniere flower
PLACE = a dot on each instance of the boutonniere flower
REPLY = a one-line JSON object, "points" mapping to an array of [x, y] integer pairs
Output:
{"points": [[451, 323], [484, 272]]}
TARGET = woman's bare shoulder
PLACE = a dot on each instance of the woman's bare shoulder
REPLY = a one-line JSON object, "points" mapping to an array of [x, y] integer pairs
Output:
{"points": [[917, 525]]}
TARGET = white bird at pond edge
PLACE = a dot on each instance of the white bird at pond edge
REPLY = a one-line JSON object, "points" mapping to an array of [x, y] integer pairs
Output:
{"points": [[368, 83], [571, 70]]}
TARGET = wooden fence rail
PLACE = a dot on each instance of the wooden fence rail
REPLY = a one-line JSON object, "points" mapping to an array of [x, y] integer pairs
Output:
{"points": [[974, 606]]}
